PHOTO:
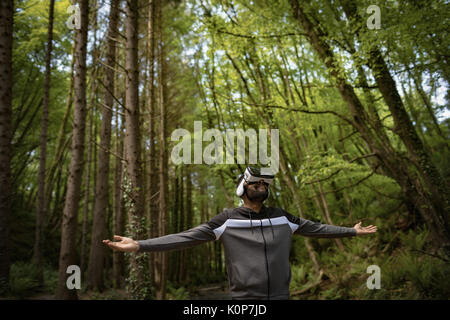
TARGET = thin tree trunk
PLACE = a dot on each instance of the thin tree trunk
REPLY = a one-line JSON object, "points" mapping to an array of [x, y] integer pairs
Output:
{"points": [[42, 205], [152, 176], [119, 208], [91, 138], [327, 215], [136, 205], [67, 255], [161, 292], [87, 182], [97, 250], [189, 216], [181, 271], [6, 80], [291, 185], [57, 164]]}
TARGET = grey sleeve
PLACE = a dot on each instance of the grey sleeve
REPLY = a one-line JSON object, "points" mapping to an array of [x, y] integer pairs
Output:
{"points": [[314, 229], [177, 241]]}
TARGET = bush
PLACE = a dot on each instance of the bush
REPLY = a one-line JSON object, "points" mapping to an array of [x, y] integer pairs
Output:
{"points": [[23, 279], [298, 279], [179, 293], [50, 280]]}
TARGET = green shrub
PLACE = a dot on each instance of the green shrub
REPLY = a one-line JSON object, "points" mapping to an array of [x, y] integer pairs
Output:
{"points": [[179, 293], [23, 279], [50, 280], [298, 277]]}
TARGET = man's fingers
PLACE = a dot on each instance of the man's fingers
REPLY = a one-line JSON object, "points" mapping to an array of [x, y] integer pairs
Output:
{"points": [[370, 230], [113, 245], [117, 237]]}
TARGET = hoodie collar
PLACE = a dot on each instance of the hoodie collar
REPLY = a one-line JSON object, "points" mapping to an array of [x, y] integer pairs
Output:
{"points": [[249, 210]]}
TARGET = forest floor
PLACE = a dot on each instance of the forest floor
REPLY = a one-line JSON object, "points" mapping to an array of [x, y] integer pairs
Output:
{"points": [[216, 291]]}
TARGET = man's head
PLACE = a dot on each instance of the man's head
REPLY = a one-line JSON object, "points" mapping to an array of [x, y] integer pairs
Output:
{"points": [[253, 185]]}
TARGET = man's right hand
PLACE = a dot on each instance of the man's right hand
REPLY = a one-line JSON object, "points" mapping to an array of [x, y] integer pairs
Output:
{"points": [[124, 244]]}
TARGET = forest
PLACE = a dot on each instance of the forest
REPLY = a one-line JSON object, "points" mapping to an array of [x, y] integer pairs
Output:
{"points": [[92, 93]]}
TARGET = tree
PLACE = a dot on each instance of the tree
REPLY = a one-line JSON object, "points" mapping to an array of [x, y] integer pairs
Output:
{"points": [[6, 39], [134, 183], [41, 205], [153, 174], [97, 251], [69, 226], [427, 188]]}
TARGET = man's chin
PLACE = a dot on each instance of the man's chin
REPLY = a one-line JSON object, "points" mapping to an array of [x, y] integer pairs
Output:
{"points": [[257, 198]]}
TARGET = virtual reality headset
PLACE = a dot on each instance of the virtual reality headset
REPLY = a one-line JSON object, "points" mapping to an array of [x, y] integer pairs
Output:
{"points": [[250, 175]]}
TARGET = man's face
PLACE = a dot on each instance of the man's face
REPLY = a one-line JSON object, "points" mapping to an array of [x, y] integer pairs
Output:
{"points": [[257, 191]]}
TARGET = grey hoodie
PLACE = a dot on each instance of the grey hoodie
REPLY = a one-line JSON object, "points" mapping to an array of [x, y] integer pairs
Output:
{"points": [[256, 247]]}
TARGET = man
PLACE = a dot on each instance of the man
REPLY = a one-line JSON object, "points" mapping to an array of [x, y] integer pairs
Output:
{"points": [[256, 240]]}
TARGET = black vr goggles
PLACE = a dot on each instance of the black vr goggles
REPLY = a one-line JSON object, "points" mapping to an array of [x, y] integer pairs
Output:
{"points": [[250, 175]]}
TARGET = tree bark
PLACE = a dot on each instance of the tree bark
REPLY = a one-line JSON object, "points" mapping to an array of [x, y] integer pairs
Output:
{"points": [[119, 207], [97, 249], [326, 213], [152, 176], [189, 217], [87, 183], [6, 80], [42, 205], [58, 160], [136, 205], [181, 271], [162, 267], [67, 255]]}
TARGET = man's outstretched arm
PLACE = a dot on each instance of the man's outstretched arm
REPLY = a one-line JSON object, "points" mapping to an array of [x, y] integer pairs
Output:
{"points": [[314, 229], [176, 241], [318, 230]]}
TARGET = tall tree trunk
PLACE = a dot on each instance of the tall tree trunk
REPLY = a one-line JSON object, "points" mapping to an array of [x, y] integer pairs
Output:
{"points": [[161, 286], [152, 176], [67, 255], [119, 208], [91, 152], [326, 213], [136, 205], [189, 216], [42, 205], [181, 271], [62, 144], [87, 183], [6, 80], [97, 250]]}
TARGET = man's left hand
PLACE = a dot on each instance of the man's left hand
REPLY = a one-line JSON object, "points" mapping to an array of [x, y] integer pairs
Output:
{"points": [[364, 230]]}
